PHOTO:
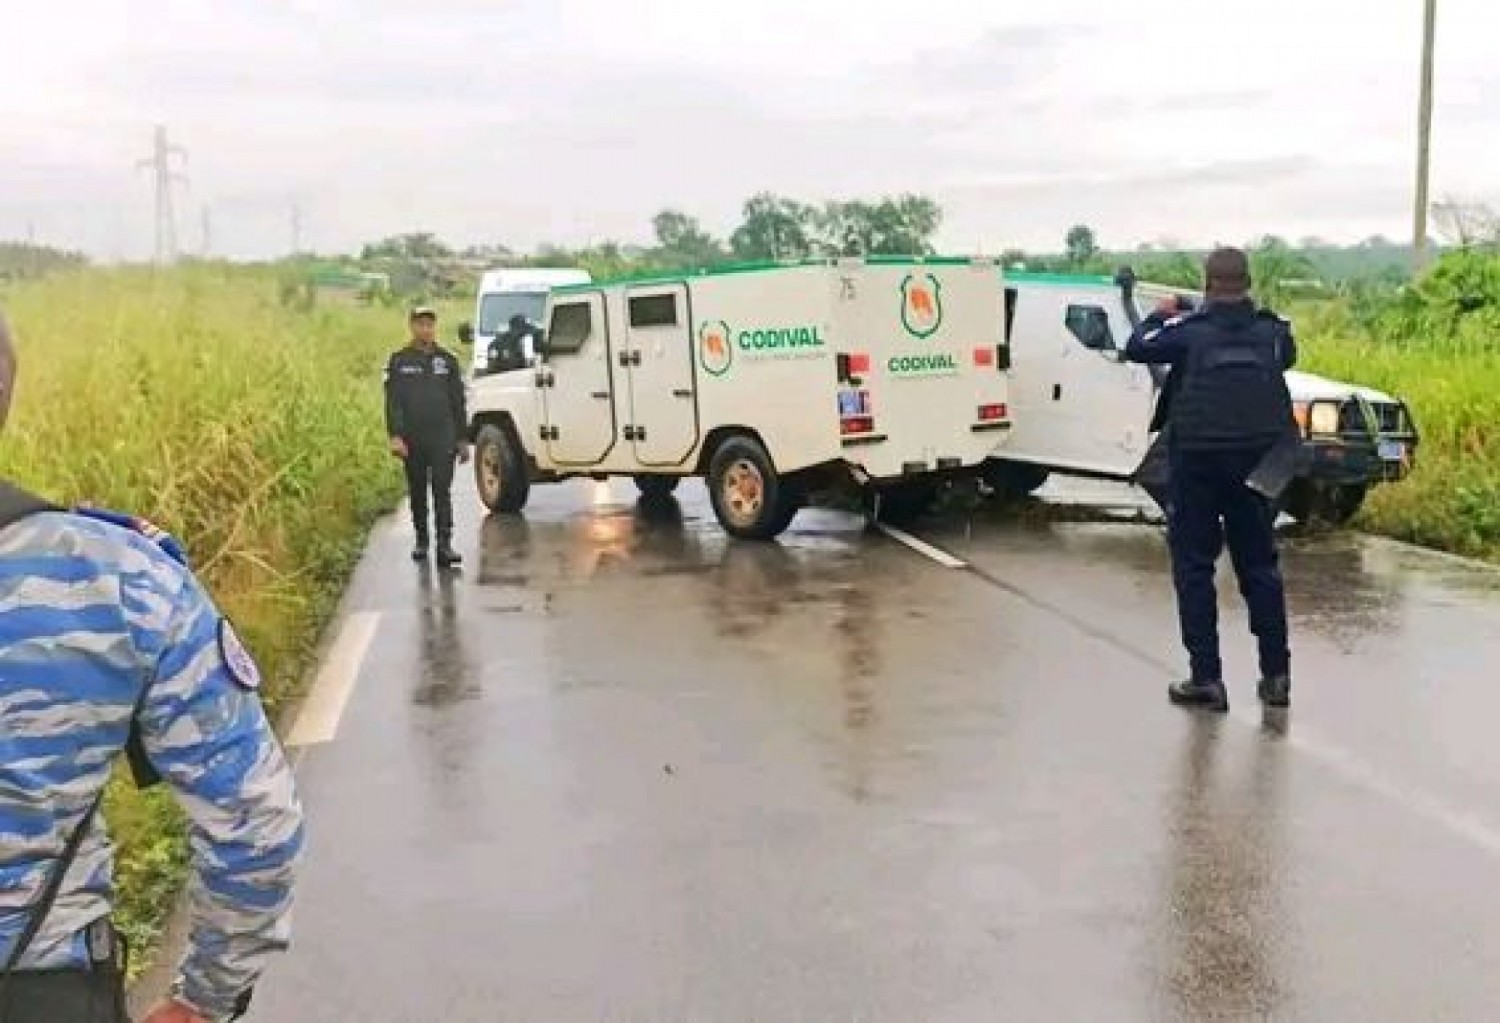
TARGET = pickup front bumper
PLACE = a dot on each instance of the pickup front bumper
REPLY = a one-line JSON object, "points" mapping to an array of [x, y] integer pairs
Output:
{"points": [[1376, 443]]}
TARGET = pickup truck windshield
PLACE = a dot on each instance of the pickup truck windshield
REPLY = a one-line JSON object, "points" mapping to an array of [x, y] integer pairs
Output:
{"points": [[496, 309]]}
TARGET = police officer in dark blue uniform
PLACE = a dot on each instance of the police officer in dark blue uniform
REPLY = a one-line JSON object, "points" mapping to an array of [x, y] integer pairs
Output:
{"points": [[426, 417], [1230, 408]]}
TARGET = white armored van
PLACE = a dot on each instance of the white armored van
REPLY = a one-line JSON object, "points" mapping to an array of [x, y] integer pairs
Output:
{"points": [[773, 381]]}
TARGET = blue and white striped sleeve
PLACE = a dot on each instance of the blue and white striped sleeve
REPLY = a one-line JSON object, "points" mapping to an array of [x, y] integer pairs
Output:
{"points": [[206, 733]]}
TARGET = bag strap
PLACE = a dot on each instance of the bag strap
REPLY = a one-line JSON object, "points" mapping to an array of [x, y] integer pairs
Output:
{"points": [[43, 904], [38, 910], [15, 505]]}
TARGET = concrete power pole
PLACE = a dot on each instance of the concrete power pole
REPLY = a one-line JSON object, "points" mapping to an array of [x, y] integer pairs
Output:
{"points": [[207, 233], [1424, 140], [160, 165]]}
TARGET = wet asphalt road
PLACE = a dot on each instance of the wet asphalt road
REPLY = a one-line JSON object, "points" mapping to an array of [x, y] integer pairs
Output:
{"points": [[621, 769]]}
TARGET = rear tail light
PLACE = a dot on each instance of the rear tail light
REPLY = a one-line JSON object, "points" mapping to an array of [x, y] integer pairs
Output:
{"points": [[984, 357], [993, 413], [855, 425], [851, 366]]}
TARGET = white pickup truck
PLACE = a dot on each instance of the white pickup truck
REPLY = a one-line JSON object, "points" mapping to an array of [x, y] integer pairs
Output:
{"points": [[1079, 409]]}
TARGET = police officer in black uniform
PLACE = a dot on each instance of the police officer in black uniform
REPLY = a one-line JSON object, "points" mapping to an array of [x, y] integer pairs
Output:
{"points": [[426, 419], [1229, 408]]}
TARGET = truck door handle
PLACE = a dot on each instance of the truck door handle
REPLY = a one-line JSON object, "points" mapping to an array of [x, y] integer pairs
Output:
{"points": [[682, 392], [1057, 392], [601, 395]]}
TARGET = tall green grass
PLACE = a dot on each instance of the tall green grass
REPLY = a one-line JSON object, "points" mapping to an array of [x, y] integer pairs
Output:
{"points": [[249, 428], [1445, 363]]}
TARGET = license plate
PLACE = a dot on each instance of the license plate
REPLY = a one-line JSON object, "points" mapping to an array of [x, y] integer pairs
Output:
{"points": [[1392, 450]]}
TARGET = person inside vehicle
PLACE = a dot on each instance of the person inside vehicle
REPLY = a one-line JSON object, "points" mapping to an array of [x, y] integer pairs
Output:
{"points": [[508, 350]]}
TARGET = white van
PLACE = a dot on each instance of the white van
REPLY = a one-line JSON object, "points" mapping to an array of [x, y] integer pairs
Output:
{"points": [[509, 292], [1080, 410], [774, 381]]}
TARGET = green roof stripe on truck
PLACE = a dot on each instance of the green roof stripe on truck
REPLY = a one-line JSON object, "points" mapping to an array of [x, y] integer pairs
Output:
{"points": [[1066, 280], [725, 269]]}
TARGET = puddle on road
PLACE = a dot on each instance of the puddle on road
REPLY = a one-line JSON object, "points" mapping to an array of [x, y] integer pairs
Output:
{"points": [[443, 667]]}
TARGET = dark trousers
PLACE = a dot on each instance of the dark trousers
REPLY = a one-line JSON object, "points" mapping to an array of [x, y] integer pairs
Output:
{"points": [[64, 996], [429, 467], [1211, 504]]}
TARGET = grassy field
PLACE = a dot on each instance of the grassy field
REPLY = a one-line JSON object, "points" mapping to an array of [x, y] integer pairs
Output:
{"points": [[1449, 373], [249, 428]]}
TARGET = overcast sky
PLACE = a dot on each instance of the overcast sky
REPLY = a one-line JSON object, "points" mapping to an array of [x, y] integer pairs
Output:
{"points": [[573, 120]]}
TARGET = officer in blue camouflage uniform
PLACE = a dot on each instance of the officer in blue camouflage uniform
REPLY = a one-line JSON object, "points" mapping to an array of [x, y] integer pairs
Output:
{"points": [[107, 643]]}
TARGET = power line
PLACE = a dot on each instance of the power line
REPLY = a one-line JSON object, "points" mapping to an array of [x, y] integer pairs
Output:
{"points": [[1424, 138], [160, 165]]}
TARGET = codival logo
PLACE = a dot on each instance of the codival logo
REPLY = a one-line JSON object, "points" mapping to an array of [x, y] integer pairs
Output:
{"points": [[921, 305], [715, 353]]}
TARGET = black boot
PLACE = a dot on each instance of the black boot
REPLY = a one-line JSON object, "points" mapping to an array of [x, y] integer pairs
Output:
{"points": [[419, 550], [446, 555], [1210, 695], [1276, 690]]}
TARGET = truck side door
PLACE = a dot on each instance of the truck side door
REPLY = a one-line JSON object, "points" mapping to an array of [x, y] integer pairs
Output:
{"points": [[658, 354], [576, 380], [1107, 402]]}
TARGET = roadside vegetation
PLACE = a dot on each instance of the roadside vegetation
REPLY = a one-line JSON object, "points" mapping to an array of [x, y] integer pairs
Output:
{"points": [[246, 425], [1437, 345]]}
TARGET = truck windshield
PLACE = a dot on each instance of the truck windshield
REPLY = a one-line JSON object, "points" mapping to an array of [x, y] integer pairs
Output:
{"points": [[496, 309]]}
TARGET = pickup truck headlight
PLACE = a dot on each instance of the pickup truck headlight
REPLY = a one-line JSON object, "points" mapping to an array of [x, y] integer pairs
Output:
{"points": [[1323, 419], [1317, 418]]}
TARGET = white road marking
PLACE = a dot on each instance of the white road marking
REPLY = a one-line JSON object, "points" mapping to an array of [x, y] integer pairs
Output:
{"points": [[1457, 822], [922, 547], [318, 721], [1357, 772]]}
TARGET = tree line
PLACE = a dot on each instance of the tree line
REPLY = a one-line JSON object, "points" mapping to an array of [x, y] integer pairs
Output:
{"points": [[778, 227]]}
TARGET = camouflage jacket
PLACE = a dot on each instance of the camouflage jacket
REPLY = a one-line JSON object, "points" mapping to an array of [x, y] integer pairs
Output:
{"points": [[95, 620]]}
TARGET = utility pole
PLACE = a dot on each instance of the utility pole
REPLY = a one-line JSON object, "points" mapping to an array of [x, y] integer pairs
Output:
{"points": [[207, 233], [1424, 140], [160, 165]]}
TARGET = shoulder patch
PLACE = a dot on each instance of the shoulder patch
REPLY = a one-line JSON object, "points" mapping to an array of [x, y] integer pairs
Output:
{"points": [[242, 666], [143, 527]]}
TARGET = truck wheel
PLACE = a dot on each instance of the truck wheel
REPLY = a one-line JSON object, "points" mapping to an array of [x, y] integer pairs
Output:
{"points": [[655, 488], [1334, 504], [500, 470], [751, 501], [1337, 505], [906, 502], [1297, 501], [1013, 479]]}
